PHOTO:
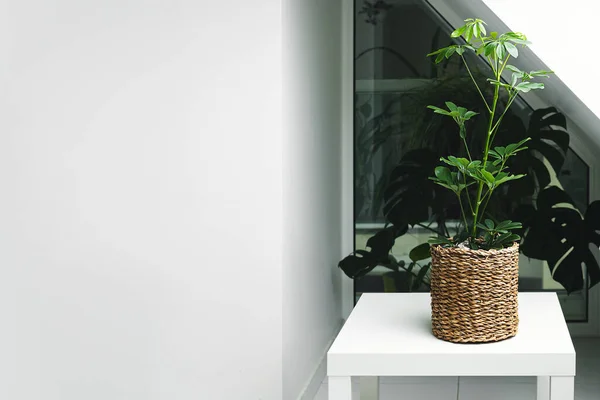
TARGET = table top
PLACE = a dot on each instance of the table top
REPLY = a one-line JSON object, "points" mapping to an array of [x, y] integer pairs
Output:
{"points": [[390, 334]]}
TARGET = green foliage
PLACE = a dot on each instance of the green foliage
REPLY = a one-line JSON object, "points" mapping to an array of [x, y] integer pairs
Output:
{"points": [[491, 171]]}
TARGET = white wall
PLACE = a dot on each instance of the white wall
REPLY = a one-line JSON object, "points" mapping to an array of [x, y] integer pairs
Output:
{"points": [[140, 204], [312, 188]]}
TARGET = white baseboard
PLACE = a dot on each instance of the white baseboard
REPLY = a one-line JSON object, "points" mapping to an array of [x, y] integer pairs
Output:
{"points": [[320, 372]]}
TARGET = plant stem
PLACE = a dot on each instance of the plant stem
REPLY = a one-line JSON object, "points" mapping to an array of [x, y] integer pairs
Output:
{"points": [[467, 148], [462, 211], [485, 157], [489, 196], [467, 193], [497, 125], [489, 193], [476, 85]]}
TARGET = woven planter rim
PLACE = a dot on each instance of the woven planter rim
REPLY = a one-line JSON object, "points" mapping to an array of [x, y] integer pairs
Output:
{"points": [[478, 252]]}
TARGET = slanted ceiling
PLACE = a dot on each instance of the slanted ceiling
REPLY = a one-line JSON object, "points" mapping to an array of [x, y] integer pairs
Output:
{"points": [[563, 36]]}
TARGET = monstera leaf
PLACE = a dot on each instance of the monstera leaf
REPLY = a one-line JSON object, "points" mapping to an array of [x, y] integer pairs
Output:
{"points": [[361, 262], [549, 141], [410, 192], [558, 234]]}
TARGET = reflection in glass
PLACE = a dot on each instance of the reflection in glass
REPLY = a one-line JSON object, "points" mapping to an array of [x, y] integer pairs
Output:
{"points": [[394, 82]]}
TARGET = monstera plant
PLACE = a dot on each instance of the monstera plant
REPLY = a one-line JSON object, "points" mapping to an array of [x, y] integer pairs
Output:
{"points": [[550, 228]]}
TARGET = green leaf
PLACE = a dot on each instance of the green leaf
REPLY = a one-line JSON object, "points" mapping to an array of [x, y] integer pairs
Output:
{"points": [[438, 51], [460, 50], [512, 49], [481, 26], [489, 178], [495, 154], [516, 147], [500, 51], [469, 33], [509, 225], [440, 240], [515, 37], [450, 51], [438, 110], [489, 223], [451, 106], [482, 226], [444, 175], [458, 32], [491, 168], [476, 31], [420, 252], [469, 114], [453, 188], [439, 58], [541, 73], [509, 178], [459, 161], [527, 86], [500, 150], [514, 69]]}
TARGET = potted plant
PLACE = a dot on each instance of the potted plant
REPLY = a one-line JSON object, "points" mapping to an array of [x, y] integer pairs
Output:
{"points": [[474, 274]]}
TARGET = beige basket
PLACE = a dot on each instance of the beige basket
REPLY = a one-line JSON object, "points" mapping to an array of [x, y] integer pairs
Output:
{"points": [[474, 294]]}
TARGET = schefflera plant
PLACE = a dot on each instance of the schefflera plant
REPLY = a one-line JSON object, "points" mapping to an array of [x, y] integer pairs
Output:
{"points": [[474, 179]]}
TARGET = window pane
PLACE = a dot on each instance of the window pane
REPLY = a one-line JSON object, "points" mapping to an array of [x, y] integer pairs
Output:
{"points": [[394, 83]]}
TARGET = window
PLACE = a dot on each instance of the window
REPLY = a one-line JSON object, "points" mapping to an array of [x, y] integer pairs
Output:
{"points": [[394, 81]]}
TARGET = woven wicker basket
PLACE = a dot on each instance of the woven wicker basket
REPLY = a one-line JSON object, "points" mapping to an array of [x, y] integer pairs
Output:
{"points": [[474, 294]]}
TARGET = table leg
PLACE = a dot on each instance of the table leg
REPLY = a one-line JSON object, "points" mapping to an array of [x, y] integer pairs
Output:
{"points": [[369, 388], [543, 388], [562, 388], [340, 388]]}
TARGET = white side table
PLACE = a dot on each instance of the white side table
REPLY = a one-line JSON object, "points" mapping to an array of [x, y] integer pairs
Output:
{"points": [[389, 334]]}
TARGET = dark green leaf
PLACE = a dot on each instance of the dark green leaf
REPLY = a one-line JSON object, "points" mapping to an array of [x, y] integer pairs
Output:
{"points": [[420, 276], [444, 175], [440, 240], [420, 252], [357, 265], [439, 58], [559, 235]]}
